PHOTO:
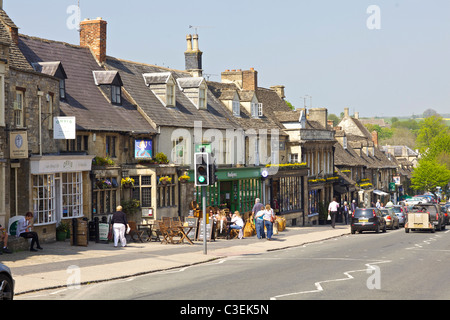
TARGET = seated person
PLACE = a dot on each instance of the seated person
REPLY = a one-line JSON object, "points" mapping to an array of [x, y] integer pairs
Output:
{"points": [[4, 239], [237, 223], [23, 230]]}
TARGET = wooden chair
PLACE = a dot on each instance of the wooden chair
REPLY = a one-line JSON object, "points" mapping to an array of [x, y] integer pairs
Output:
{"points": [[134, 231], [167, 232]]}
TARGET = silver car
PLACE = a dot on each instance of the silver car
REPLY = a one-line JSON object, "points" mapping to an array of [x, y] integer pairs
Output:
{"points": [[391, 218], [401, 213], [6, 283]]}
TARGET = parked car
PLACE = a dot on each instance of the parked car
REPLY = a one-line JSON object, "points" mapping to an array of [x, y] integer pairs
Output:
{"points": [[367, 219], [401, 212], [391, 218], [6, 283], [446, 211], [414, 200], [436, 216]]}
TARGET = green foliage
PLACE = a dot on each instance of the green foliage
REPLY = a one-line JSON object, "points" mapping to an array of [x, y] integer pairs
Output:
{"points": [[429, 175], [130, 206], [99, 161], [290, 105], [161, 158], [430, 128]]}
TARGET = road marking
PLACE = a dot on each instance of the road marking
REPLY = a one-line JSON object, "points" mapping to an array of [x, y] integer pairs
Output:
{"points": [[319, 287]]}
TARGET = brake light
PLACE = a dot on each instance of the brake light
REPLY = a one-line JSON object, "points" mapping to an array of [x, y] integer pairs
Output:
{"points": [[388, 217], [374, 213], [437, 216]]}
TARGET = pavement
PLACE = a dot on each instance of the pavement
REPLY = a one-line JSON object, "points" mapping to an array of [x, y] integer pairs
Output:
{"points": [[55, 265]]}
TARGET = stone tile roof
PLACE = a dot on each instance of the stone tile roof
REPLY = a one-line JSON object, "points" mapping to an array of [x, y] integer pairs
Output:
{"points": [[184, 114], [85, 100]]}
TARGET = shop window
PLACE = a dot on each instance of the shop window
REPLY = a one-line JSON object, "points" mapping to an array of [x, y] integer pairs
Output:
{"points": [[143, 190], [72, 193], [105, 198], [165, 194], [44, 199]]}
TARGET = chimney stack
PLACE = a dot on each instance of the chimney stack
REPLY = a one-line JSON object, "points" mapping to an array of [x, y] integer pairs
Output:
{"points": [[193, 56], [346, 112], [93, 36], [279, 90], [246, 80], [1, 4]]}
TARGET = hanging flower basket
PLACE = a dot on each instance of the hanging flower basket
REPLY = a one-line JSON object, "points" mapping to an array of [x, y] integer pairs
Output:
{"points": [[165, 180]]}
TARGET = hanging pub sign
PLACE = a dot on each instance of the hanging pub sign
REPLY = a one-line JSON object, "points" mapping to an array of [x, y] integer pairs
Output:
{"points": [[143, 149], [18, 145], [64, 128]]}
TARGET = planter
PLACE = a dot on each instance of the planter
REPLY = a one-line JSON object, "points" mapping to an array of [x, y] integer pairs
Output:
{"points": [[61, 235]]}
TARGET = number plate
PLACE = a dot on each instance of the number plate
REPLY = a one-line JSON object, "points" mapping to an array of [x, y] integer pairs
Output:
{"points": [[363, 220]]}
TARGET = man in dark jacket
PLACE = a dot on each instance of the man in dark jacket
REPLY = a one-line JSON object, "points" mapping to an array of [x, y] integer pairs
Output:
{"points": [[120, 224]]}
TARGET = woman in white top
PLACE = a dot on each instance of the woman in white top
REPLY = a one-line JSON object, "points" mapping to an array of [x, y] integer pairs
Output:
{"points": [[269, 216], [237, 223]]}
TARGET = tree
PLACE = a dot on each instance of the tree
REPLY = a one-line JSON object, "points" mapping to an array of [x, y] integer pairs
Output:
{"points": [[430, 113], [430, 128], [428, 175], [334, 118]]}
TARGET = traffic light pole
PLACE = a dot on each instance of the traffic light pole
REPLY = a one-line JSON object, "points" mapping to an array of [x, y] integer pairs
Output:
{"points": [[205, 250]]}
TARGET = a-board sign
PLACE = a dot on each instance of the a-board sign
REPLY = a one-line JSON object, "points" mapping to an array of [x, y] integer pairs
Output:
{"points": [[192, 222], [103, 229], [209, 229]]}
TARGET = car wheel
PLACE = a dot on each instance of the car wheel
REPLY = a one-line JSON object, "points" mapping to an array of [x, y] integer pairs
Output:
{"points": [[406, 230], [377, 229], [6, 288], [353, 231]]}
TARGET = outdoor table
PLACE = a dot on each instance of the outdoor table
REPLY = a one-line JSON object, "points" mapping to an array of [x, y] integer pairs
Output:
{"points": [[184, 233], [148, 228]]}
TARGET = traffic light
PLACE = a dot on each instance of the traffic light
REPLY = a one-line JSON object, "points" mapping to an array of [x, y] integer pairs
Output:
{"points": [[212, 172], [202, 170]]}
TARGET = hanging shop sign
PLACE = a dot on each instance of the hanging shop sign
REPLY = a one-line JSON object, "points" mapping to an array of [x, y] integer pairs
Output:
{"points": [[18, 145]]}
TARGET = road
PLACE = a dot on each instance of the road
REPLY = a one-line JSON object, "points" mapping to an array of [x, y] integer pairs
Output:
{"points": [[394, 265]]}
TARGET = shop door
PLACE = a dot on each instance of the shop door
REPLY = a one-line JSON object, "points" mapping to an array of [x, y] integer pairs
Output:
{"points": [[235, 196]]}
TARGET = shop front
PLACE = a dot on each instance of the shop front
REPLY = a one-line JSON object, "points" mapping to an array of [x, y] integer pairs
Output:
{"points": [[286, 192], [58, 190], [236, 189]]}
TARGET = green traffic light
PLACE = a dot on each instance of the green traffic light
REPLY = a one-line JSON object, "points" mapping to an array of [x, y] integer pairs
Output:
{"points": [[201, 179]]}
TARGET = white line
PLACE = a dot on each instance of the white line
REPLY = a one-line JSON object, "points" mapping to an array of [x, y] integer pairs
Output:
{"points": [[319, 287]]}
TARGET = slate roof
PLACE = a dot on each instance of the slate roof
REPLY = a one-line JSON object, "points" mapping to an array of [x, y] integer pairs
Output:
{"points": [[84, 100], [246, 121], [185, 113]]}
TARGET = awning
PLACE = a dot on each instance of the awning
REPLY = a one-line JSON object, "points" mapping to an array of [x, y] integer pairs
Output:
{"points": [[380, 193]]}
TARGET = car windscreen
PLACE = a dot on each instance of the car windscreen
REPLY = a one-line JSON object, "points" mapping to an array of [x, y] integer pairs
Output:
{"points": [[364, 213], [384, 212]]}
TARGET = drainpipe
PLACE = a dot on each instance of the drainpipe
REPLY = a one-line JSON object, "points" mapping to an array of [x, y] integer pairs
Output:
{"points": [[40, 95]]}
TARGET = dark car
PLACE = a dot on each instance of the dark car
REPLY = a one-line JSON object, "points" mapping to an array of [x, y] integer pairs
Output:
{"points": [[6, 283], [368, 219]]}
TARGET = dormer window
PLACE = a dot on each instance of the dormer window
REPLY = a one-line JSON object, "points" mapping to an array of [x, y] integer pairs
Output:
{"points": [[236, 108], [62, 89], [54, 69], [162, 84], [110, 81], [196, 90], [170, 95], [257, 110], [202, 98], [116, 94]]}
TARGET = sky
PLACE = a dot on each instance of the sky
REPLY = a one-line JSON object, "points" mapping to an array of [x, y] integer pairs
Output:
{"points": [[381, 58]]}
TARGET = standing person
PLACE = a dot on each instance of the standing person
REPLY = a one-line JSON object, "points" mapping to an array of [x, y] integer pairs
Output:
{"points": [[4, 239], [259, 223], [257, 207], [354, 206], [346, 211], [120, 223], [269, 218], [378, 205], [333, 210], [24, 230]]}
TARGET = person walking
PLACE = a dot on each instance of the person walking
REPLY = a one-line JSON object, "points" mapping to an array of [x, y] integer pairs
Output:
{"points": [[259, 223], [269, 219], [257, 207], [345, 212], [24, 230], [120, 224], [333, 208]]}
